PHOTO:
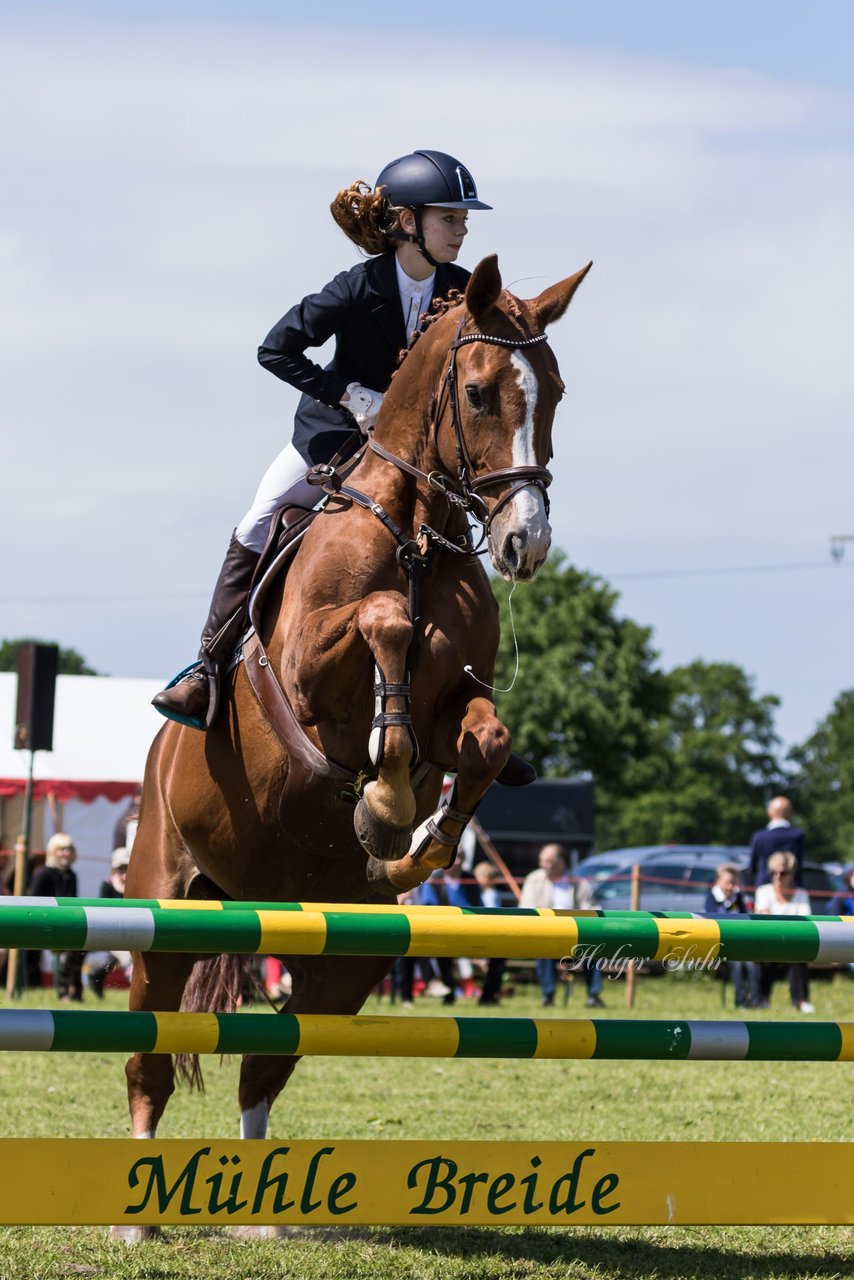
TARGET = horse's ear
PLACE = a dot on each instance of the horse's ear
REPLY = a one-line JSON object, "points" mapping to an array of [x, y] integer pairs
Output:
{"points": [[484, 288], [552, 302]]}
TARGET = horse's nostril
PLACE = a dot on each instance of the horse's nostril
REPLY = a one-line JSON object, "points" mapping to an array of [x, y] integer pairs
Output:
{"points": [[513, 546]]}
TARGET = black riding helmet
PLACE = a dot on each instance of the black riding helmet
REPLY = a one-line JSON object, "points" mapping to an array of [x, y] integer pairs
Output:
{"points": [[428, 178]]}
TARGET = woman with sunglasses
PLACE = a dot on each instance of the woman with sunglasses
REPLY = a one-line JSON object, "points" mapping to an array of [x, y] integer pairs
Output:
{"points": [[782, 897]]}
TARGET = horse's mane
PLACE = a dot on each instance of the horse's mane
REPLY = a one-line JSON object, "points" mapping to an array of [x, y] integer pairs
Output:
{"points": [[438, 308], [441, 306]]}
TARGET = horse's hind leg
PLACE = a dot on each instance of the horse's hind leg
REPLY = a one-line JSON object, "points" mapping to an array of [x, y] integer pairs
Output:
{"points": [[157, 984], [384, 816], [321, 984]]}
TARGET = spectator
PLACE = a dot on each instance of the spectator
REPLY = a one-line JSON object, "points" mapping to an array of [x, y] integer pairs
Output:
{"points": [[438, 976], [487, 878], [99, 963], [444, 890], [550, 886], [782, 897], [56, 879], [725, 898], [779, 835], [843, 903], [125, 829]]}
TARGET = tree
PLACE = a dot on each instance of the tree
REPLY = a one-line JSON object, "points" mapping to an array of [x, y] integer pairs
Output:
{"points": [[715, 764], [688, 756], [823, 782], [71, 663], [588, 692]]}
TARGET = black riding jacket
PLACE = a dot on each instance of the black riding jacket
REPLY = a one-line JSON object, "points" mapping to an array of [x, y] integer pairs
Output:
{"points": [[361, 308]]}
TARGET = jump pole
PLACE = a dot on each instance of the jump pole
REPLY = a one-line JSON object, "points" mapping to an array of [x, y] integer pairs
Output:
{"points": [[337, 1035], [680, 942]]}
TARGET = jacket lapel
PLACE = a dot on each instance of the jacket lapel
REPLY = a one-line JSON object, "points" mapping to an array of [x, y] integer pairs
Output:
{"points": [[385, 302]]}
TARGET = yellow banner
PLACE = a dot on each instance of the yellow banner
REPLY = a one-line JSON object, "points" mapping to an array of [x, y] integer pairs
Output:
{"points": [[122, 1181]]}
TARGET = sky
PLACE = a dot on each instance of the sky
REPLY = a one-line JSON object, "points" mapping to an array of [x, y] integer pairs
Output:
{"points": [[166, 173]]}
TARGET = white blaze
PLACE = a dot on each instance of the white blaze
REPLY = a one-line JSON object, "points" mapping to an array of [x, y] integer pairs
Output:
{"points": [[529, 508]]}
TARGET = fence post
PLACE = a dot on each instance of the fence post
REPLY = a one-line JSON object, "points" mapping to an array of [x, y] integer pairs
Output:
{"points": [[634, 902]]}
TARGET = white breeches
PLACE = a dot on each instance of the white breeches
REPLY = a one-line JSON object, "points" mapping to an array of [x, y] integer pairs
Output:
{"points": [[283, 480]]}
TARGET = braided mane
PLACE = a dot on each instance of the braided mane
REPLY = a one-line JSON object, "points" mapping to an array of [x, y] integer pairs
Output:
{"points": [[438, 308]]}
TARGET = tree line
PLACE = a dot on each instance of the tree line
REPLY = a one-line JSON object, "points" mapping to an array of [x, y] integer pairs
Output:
{"points": [[689, 755]]}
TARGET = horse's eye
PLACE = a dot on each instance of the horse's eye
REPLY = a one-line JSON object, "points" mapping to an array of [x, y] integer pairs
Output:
{"points": [[473, 395]]}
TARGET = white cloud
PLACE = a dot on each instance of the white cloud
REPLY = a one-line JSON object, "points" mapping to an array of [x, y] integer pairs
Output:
{"points": [[167, 194]]}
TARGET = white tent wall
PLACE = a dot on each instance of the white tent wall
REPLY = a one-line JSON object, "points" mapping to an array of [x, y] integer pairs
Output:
{"points": [[103, 727]]}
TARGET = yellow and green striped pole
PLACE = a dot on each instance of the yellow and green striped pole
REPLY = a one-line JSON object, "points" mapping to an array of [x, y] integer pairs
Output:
{"points": [[340, 930], [336, 1035]]}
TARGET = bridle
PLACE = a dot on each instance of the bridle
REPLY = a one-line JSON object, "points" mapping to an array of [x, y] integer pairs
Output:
{"points": [[464, 491]]}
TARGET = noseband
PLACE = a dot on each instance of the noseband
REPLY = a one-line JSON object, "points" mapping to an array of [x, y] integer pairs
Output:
{"points": [[465, 491]]}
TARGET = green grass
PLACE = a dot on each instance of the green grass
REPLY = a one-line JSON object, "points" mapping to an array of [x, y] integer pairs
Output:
{"points": [[48, 1095]]}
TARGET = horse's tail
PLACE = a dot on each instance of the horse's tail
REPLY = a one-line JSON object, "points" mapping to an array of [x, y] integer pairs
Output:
{"points": [[215, 985]]}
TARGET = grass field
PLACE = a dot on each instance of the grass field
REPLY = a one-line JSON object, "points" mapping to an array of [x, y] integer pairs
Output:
{"points": [[56, 1095]]}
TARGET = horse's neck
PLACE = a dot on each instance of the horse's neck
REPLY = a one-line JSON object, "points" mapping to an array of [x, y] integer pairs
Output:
{"points": [[409, 501], [406, 429]]}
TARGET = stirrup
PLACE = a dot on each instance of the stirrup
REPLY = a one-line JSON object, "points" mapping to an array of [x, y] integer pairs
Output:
{"points": [[194, 670]]}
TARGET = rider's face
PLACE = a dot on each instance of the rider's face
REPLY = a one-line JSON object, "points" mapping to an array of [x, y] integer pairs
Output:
{"points": [[444, 232]]}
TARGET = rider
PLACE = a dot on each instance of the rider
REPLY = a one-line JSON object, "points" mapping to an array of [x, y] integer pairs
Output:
{"points": [[412, 223]]}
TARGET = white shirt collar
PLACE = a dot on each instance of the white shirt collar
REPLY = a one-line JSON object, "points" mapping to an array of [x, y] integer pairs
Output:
{"points": [[778, 822], [415, 297]]}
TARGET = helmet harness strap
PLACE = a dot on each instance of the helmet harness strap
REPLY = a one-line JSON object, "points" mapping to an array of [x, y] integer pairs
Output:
{"points": [[418, 238]]}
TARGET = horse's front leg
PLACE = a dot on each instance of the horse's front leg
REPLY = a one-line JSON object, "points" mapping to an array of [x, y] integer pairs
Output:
{"points": [[386, 811], [326, 664], [481, 744]]}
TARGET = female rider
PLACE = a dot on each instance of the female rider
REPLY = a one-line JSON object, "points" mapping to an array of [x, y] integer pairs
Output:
{"points": [[413, 223]]}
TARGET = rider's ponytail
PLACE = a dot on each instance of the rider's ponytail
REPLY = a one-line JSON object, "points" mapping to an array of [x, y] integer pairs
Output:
{"points": [[366, 217]]}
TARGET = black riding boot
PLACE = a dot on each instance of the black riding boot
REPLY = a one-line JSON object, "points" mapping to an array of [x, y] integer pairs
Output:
{"points": [[193, 698]]}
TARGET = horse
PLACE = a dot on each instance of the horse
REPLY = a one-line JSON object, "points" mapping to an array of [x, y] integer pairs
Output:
{"points": [[368, 678]]}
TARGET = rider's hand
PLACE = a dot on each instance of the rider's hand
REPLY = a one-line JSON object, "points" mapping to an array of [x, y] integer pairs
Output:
{"points": [[363, 404]]}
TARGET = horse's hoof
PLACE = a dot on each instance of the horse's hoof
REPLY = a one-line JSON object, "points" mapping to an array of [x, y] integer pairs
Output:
{"points": [[517, 772], [134, 1235], [380, 839]]}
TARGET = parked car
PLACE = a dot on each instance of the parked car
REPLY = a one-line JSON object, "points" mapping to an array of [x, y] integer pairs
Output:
{"points": [[678, 877]]}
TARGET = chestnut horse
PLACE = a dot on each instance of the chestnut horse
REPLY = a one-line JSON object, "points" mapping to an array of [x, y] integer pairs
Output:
{"points": [[374, 677]]}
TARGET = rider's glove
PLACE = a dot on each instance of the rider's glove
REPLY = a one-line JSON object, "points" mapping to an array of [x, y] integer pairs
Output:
{"points": [[363, 404]]}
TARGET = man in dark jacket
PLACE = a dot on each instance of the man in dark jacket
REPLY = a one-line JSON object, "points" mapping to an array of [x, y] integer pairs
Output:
{"points": [[779, 836]]}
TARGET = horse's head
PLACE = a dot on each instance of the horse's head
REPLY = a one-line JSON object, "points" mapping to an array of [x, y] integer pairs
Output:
{"points": [[503, 387]]}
